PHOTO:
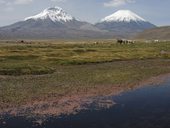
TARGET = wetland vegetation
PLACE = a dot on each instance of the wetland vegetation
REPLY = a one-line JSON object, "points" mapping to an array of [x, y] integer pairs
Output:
{"points": [[41, 70]]}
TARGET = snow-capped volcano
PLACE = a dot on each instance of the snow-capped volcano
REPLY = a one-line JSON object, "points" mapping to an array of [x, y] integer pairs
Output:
{"points": [[56, 23], [124, 23], [123, 16], [53, 23], [56, 14]]}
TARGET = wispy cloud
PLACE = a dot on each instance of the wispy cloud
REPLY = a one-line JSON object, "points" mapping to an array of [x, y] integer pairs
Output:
{"points": [[15, 2], [58, 0], [9, 5], [22, 1], [116, 3], [8, 9], [2, 1]]}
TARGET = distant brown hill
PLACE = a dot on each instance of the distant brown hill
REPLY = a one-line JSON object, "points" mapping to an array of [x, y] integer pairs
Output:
{"points": [[160, 33]]}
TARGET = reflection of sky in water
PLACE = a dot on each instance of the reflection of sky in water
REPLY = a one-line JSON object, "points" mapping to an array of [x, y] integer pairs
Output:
{"points": [[148, 107]]}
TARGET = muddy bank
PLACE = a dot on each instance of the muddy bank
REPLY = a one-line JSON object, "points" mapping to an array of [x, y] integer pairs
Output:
{"points": [[74, 102]]}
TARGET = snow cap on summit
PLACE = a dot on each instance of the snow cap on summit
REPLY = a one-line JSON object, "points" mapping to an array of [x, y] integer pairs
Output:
{"points": [[56, 14], [123, 16]]}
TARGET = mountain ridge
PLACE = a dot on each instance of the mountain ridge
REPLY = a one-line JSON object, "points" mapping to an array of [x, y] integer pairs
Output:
{"points": [[54, 22], [124, 24]]}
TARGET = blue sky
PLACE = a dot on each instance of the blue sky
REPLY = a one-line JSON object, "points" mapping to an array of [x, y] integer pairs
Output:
{"points": [[155, 11]]}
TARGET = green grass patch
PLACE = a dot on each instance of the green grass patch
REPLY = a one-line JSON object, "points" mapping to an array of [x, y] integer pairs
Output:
{"points": [[45, 57], [68, 79], [46, 69]]}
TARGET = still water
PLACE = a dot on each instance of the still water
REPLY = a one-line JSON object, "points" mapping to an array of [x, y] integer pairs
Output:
{"points": [[147, 107]]}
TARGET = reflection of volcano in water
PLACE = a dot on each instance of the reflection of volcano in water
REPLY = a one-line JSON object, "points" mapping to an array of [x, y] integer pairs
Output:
{"points": [[148, 107]]}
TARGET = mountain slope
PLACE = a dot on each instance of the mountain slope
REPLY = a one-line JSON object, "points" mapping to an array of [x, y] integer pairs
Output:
{"points": [[124, 23], [51, 23], [160, 33]]}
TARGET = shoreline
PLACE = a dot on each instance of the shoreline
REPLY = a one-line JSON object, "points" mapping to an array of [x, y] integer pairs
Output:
{"points": [[73, 103]]}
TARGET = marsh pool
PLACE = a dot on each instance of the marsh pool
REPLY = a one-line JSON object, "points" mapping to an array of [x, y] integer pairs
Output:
{"points": [[147, 107]]}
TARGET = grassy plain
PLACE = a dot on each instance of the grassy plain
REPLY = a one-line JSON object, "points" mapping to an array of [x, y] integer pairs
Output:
{"points": [[40, 69]]}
